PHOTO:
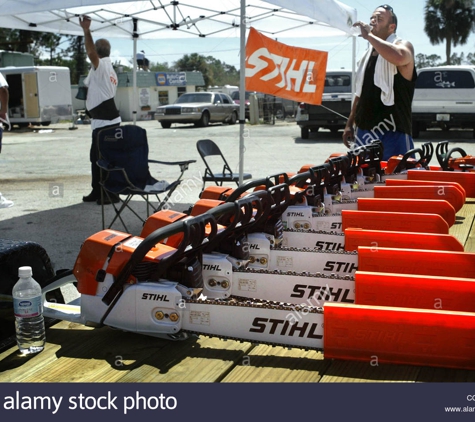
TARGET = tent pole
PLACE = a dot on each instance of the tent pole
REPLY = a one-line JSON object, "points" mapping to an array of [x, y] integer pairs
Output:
{"points": [[353, 68], [242, 89], [134, 83]]}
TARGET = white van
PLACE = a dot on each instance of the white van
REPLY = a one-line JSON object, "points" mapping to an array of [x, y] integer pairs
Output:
{"points": [[444, 97]]}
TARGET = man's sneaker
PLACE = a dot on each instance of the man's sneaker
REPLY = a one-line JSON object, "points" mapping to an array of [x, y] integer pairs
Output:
{"points": [[4, 202]]}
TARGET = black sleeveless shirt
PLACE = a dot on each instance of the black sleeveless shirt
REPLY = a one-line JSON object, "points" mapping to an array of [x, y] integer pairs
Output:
{"points": [[372, 113]]}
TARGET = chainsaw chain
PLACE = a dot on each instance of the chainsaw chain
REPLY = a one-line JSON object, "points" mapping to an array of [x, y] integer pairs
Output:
{"points": [[332, 276], [312, 250], [313, 231], [255, 303]]}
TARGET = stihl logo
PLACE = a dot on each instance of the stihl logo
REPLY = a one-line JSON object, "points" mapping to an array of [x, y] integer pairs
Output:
{"points": [[211, 267], [295, 214], [340, 267], [329, 246], [335, 226], [283, 327], [283, 72], [254, 246], [321, 293], [155, 296]]}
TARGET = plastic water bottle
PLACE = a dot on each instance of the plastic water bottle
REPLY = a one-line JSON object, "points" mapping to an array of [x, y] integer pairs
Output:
{"points": [[28, 310]]}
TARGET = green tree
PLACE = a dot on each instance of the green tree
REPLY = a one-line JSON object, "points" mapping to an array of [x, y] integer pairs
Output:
{"points": [[450, 21], [194, 62], [222, 73], [159, 67], [427, 61]]}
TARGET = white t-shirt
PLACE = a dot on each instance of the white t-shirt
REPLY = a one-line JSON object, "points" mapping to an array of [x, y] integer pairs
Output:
{"points": [[3, 81], [102, 84]]}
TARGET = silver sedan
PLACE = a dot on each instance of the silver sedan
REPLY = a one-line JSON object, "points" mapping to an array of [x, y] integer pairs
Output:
{"points": [[200, 108]]}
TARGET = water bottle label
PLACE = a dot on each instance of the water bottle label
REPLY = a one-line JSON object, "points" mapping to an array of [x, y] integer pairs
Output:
{"points": [[27, 308]]}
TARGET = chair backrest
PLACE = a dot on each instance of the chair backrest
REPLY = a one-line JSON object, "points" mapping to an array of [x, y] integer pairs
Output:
{"points": [[206, 148], [126, 147]]}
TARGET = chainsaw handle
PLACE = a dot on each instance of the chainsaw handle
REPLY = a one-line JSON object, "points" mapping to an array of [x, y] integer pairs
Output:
{"points": [[428, 151], [444, 154], [265, 181], [402, 164], [303, 179]]}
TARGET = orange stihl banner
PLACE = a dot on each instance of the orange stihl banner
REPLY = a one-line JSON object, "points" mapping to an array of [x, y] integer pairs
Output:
{"points": [[288, 72]]}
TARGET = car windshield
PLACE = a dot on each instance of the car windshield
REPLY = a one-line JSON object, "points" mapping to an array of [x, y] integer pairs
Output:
{"points": [[337, 83], [196, 97]]}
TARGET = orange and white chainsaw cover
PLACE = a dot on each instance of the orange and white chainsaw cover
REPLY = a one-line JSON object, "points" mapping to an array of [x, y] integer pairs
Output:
{"points": [[288, 72]]}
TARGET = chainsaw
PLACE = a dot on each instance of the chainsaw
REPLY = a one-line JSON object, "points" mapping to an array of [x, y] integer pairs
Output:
{"points": [[148, 287]]}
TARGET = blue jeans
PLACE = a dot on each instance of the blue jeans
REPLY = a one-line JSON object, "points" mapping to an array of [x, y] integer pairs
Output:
{"points": [[394, 143]]}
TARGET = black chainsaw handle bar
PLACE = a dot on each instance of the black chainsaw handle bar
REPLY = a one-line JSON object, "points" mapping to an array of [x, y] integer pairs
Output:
{"points": [[265, 181], [236, 216], [444, 154], [402, 164], [194, 239]]}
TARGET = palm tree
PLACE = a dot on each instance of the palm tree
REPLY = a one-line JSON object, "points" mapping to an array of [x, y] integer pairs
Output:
{"points": [[450, 21]]}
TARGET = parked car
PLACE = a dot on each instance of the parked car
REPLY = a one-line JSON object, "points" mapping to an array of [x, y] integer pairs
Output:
{"points": [[444, 97], [335, 108], [200, 108], [247, 102], [268, 105]]}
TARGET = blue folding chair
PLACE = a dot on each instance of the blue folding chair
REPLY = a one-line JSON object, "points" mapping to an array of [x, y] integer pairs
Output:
{"points": [[124, 164]]}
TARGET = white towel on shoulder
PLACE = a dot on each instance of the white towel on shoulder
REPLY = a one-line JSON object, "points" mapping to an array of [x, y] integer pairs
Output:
{"points": [[383, 74]]}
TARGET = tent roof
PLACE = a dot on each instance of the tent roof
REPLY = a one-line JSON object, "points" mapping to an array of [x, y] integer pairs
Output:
{"points": [[157, 19]]}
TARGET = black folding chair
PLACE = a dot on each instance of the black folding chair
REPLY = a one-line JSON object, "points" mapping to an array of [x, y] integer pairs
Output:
{"points": [[124, 165], [217, 169]]}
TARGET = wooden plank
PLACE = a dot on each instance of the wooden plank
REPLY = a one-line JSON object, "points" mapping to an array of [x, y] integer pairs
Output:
{"points": [[74, 353], [428, 374], [200, 360], [469, 223], [371, 371], [276, 364], [463, 225]]}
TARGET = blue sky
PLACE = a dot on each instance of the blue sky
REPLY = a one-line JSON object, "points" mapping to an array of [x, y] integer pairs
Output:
{"points": [[411, 27]]}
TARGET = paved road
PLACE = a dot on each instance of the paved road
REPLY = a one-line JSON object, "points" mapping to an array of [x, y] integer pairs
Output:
{"points": [[46, 171]]}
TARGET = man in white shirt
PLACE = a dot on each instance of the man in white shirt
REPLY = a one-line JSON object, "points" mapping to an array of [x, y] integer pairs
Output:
{"points": [[102, 87], [4, 97]]}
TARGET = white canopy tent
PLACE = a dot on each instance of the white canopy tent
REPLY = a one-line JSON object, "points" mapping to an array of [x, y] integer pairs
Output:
{"points": [[154, 19]]}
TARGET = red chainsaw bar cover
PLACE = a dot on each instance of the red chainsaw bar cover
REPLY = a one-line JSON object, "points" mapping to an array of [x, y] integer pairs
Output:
{"points": [[376, 334], [416, 261], [428, 206], [405, 182], [392, 239], [394, 221], [415, 291], [447, 192], [465, 179]]}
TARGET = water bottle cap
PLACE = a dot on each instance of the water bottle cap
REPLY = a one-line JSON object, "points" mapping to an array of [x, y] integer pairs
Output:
{"points": [[25, 272]]}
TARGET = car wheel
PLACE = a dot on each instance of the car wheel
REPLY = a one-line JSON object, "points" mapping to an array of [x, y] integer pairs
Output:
{"points": [[304, 132], [166, 125], [204, 121], [233, 118]]}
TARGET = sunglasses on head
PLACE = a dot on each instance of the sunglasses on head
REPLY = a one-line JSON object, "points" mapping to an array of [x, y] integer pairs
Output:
{"points": [[387, 7], [390, 10]]}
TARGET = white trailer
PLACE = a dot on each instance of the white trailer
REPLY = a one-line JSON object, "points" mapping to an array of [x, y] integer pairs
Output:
{"points": [[39, 95]]}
